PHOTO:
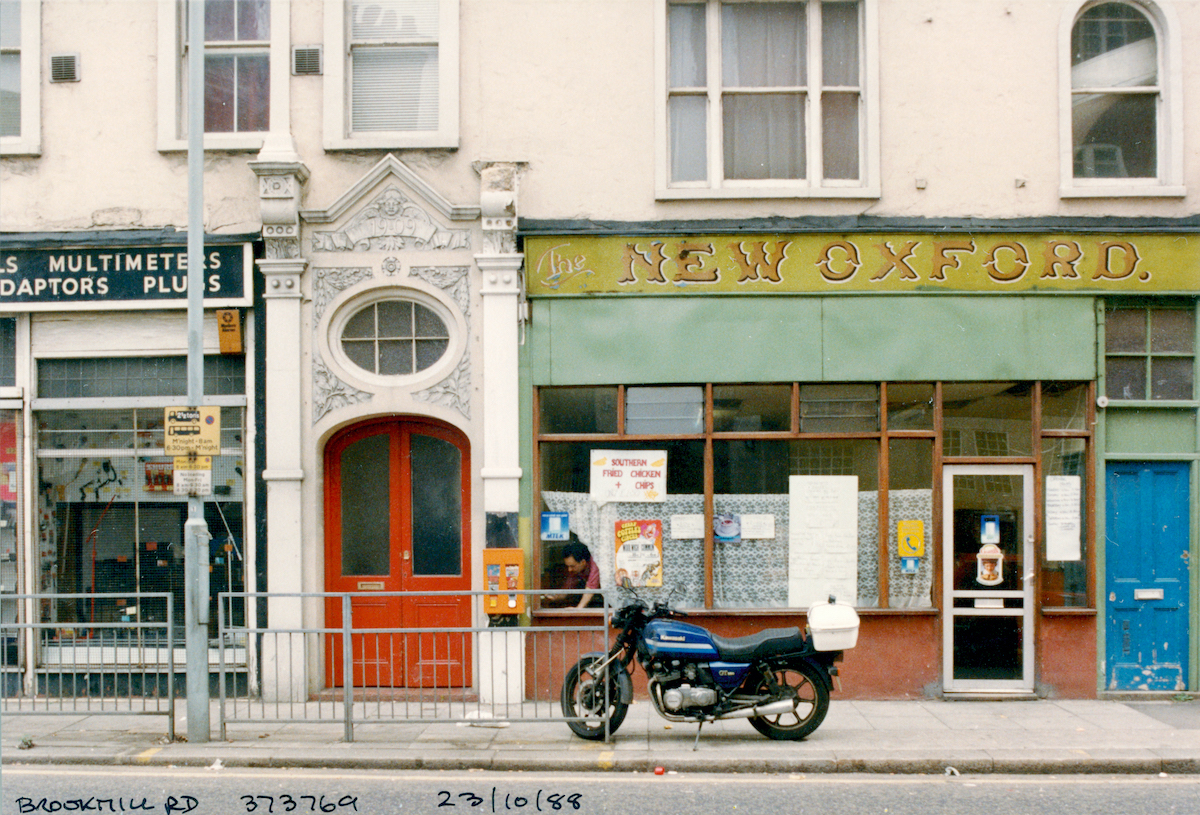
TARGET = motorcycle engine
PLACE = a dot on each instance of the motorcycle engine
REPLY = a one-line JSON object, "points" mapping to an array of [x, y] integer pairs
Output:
{"points": [[684, 686]]}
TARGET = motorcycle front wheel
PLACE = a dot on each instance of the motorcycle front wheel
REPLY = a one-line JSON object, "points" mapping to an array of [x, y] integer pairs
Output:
{"points": [[583, 697], [812, 703]]}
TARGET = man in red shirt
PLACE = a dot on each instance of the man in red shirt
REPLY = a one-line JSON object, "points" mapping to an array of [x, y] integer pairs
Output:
{"points": [[582, 574]]}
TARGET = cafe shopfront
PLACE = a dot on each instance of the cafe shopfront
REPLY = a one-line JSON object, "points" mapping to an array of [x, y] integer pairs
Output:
{"points": [[965, 434]]}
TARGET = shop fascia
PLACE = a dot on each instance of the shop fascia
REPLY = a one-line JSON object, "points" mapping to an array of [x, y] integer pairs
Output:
{"points": [[883, 262]]}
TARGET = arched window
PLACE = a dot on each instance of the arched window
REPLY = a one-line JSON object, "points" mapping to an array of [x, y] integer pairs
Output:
{"points": [[1121, 123]]}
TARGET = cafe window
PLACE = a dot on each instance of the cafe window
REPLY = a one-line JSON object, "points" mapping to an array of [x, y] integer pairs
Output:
{"points": [[1150, 353], [759, 495]]}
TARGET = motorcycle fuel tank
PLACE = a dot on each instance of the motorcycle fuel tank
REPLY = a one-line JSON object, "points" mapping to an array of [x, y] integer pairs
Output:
{"points": [[669, 639]]}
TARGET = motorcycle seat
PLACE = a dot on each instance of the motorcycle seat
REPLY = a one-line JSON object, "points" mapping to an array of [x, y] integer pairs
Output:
{"points": [[754, 646]]}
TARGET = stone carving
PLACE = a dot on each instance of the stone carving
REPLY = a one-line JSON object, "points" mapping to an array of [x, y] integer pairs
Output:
{"points": [[282, 248], [329, 282], [454, 391], [391, 222], [331, 393], [454, 280]]}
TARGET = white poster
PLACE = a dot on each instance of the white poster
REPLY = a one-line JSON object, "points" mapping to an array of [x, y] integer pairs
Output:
{"points": [[629, 475], [1063, 517], [822, 539]]}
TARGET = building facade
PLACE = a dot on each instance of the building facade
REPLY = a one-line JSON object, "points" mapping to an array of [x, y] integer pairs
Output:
{"points": [[885, 300]]}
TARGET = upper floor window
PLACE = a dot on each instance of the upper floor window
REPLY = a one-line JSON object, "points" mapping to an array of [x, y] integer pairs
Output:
{"points": [[395, 338], [1122, 128], [20, 43], [768, 99], [245, 73], [396, 83]]}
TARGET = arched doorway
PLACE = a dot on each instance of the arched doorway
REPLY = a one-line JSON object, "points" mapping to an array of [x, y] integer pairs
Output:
{"points": [[397, 519]]}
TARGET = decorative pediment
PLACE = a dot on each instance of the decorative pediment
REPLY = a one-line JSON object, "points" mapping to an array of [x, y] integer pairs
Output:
{"points": [[391, 208]]}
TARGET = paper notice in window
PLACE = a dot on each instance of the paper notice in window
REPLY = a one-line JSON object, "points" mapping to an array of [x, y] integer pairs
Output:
{"points": [[1063, 517], [822, 539]]}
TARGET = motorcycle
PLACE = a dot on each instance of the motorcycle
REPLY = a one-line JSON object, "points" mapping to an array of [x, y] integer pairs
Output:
{"points": [[780, 679]]}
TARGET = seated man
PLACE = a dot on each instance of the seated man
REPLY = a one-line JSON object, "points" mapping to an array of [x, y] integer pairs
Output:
{"points": [[582, 573]]}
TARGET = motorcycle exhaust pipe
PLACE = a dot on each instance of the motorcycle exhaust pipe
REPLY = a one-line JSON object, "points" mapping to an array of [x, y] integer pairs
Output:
{"points": [[771, 709]]}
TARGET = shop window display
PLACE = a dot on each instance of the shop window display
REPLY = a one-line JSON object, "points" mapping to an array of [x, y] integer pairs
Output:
{"points": [[741, 526]]}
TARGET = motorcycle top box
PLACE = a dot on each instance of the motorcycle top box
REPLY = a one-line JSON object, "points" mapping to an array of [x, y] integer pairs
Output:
{"points": [[832, 626]]}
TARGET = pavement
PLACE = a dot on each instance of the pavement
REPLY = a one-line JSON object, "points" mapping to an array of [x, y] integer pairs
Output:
{"points": [[1157, 735]]}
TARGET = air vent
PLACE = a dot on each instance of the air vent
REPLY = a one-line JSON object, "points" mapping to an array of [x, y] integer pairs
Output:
{"points": [[306, 60], [64, 68]]}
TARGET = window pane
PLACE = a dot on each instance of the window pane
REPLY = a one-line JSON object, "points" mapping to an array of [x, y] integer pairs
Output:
{"points": [[1172, 331], [1115, 135], [395, 357], [253, 20], [577, 410], [10, 94], [436, 467], [1064, 582], [365, 487], [991, 418], [220, 20], [664, 410], [253, 84], [10, 23], [1125, 330], [394, 88], [1113, 44], [687, 43], [839, 135], [393, 19], [1125, 377], [750, 568], [428, 323], [910, 498], [752, 407], [8, 352], [361, 353], [763, 45], [910, 406], [1172, 378], [1064, 406], [839, 44], [429, 352], [219, 81], [839, 408], [395, 319], [689, 140], [764, 136]]}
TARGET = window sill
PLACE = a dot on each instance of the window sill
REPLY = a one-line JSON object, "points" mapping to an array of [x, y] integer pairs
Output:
{"points": [[1146, 404], [1066, 611], [17, 146], [1123, 192], [430, 140], [233, 143], [725, 193]]}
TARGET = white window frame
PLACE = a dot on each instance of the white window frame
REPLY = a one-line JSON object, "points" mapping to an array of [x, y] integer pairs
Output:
{"points": [[29, 142], [337, 133], [1169, 127], [172, 80], [814, 186]]}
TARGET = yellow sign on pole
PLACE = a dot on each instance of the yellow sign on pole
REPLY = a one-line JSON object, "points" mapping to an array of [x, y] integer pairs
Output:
{"points": [[910, 538], [192, 430]]}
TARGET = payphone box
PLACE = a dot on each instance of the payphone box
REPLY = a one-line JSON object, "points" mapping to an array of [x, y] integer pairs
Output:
{"points": [[504, 570]]}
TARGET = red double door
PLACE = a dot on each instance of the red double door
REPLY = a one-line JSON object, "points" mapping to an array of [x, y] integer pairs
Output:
{"points": [[397, 519]]}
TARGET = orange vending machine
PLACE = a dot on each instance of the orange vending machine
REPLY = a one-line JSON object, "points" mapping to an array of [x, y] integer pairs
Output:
{"points": [[504, 571]]}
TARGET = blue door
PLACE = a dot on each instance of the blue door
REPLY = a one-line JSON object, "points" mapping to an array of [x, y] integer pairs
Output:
{"points": [[1146, 551]]}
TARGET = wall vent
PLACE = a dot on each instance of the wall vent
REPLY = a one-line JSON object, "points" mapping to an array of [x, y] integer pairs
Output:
{"points": [[64, 68], [306, 60]]}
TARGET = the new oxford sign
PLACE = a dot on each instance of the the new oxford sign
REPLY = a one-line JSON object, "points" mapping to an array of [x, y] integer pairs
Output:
{"points": [[863, 263], [120, 277]]}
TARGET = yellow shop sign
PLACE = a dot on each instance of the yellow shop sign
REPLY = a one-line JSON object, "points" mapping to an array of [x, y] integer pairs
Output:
{"points": [[860, 262]]}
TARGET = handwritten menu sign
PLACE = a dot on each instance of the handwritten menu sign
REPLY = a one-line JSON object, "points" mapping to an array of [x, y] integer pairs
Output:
{"points": [[629, 475], [1063, 517], [822, 539]]}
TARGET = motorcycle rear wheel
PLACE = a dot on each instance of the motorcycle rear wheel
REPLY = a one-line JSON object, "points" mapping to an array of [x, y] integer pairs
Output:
{"points": [[812, 703], [583, 697]]}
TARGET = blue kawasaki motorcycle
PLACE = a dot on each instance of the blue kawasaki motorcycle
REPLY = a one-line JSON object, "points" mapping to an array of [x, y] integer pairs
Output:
{"points": [[779, 678]]}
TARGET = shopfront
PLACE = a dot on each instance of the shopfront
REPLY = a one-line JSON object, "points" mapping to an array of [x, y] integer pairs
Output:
{"points": [[913, 422], [95, 347]]}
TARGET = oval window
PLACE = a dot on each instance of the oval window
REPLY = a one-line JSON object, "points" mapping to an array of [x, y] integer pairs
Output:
{"points": [[395, 337]]}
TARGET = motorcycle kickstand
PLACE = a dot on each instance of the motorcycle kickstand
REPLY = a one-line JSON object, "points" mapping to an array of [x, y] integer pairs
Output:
{"points": [[696, 744]]}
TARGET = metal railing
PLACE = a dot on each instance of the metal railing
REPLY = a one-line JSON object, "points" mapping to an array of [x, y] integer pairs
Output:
{"points": [[358, 669], [123, 664]]}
